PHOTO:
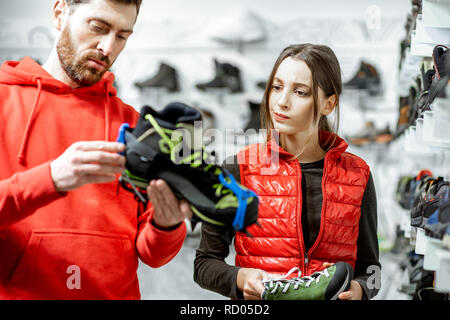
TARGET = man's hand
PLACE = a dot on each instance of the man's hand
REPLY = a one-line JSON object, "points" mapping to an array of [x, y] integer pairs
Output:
{"points": [[249, 282], [87, 163], [168, 210], [355, 292]]}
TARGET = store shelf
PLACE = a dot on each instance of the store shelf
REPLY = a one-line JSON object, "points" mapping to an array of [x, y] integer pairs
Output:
{"points": [[436, 13], [430, 35]]}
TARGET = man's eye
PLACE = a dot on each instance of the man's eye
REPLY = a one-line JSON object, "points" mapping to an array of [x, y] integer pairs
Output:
{"points": [[97, 28]]}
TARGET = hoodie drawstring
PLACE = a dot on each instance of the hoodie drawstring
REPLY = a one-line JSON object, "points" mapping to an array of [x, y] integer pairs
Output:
{"points": [[107, 115], [22, 154]]}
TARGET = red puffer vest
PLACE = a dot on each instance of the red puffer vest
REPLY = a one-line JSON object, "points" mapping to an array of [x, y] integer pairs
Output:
{"points": [[278, 245]]}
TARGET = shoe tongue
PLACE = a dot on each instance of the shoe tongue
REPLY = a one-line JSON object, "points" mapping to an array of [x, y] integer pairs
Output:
{"points": [[177, 112]]}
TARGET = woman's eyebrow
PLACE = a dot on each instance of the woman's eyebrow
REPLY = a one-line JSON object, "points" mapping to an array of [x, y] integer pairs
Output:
{"points": [[297, 84]]}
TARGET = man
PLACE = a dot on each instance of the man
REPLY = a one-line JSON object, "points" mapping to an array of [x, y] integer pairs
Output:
{"points": [[66, 230]]}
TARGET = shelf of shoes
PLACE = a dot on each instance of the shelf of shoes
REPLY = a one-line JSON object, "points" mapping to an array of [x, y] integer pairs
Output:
{"points": [[429, 134], [425, 37], [436, 13], [436, 258]]}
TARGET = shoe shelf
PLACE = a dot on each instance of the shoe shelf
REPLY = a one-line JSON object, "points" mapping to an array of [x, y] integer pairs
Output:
{"points": [[436, 13], [436, 258], [430, 133]]}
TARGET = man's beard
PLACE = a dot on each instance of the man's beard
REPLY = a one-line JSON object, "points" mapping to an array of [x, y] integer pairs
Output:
{"points": [[77, 67]]}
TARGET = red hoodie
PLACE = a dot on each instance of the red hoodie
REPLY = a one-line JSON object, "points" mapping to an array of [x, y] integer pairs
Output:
{"points": [[83, 244]]}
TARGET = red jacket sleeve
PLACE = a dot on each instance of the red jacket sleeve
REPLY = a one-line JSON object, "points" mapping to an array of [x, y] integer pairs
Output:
{"points": [[157, 247], [25, 192]]}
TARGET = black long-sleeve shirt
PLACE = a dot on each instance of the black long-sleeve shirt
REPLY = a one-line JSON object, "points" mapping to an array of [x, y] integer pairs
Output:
{"points": [[213, 273]]}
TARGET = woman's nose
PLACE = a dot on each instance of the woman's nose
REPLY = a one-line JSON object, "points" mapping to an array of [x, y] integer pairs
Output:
{"points": [[283, 102]]}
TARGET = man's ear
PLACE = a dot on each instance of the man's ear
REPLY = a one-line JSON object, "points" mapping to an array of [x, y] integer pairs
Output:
{"points": [[329, 105], [59, 14]]}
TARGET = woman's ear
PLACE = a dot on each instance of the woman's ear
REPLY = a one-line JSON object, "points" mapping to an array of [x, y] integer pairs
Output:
{"points": [[59, 14], [329, 105]]}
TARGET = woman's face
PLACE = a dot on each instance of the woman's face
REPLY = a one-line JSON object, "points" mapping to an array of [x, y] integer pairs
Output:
{"points": [[291, 99]]}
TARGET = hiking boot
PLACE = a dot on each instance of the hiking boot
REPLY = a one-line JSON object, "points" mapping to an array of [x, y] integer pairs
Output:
{"points": [[166, 77], [323, 285], [433, 193], [366, 78], [438, 223], [441, 76], [254, 121], [167, 145], [364, 136], [227, 77]]}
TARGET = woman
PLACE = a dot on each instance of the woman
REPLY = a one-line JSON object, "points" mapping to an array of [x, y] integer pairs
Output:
{"points": [[317, 202]]}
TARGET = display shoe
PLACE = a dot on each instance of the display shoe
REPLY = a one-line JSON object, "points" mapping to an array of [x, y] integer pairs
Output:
{"points": [[438, 223], [323, 285], [261, 85], [403, 120], [440, 78], [254, 121], [429, 201], [165, 145], [241, 27], [383, 136], [166, 77], [366, 78], [364, 136], [226, 76]]}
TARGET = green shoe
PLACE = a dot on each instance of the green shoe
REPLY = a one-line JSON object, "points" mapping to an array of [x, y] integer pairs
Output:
{"points": [[322, 285]]}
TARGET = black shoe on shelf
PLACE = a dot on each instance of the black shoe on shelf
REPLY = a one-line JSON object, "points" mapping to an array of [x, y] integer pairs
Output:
{"points": [[428, 201], [227, 77], [166, 77], [441, 55], [439, 222], [366, 78], [254, 121]]}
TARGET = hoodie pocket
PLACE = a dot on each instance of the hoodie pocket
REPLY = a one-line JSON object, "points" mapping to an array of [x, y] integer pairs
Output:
{"points": [[74, 264]]}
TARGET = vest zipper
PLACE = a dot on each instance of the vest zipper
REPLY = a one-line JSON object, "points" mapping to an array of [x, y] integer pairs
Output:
{"points": [[302, 241], [322, 214]]}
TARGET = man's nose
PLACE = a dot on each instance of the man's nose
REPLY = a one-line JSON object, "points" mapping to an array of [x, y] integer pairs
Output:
{"points": [[106, 44]]}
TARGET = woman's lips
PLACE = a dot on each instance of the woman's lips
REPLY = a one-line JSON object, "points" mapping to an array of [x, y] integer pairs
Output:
{"points": [[280, 117]]}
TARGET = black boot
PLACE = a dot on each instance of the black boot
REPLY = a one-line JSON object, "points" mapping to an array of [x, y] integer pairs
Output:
{"points": [[227, 77], [165, 78], [254, 121], [366, 78]]}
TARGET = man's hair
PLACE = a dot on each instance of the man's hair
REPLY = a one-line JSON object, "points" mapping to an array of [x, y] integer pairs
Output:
{"points": [[73, 3]]}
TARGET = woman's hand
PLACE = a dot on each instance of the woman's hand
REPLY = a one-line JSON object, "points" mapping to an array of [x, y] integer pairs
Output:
{"points": [[249, 282], [354, 292]]}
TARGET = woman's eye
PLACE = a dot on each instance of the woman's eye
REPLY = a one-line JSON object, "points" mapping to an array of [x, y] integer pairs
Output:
{"points": [[276, 87], [301, 93]]}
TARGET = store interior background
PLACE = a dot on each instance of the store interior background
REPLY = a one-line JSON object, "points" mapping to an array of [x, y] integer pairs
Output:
{"points": [[180, 33]]}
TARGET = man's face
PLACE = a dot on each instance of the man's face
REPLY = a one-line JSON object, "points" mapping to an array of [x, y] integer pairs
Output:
{"points": [[92, 38]]}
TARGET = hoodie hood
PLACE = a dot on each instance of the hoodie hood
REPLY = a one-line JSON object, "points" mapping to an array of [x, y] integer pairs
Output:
{"points": [[29, 73]]}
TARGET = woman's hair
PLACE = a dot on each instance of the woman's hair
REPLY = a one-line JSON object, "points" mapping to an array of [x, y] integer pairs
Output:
{"points": [[326, 74]]}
